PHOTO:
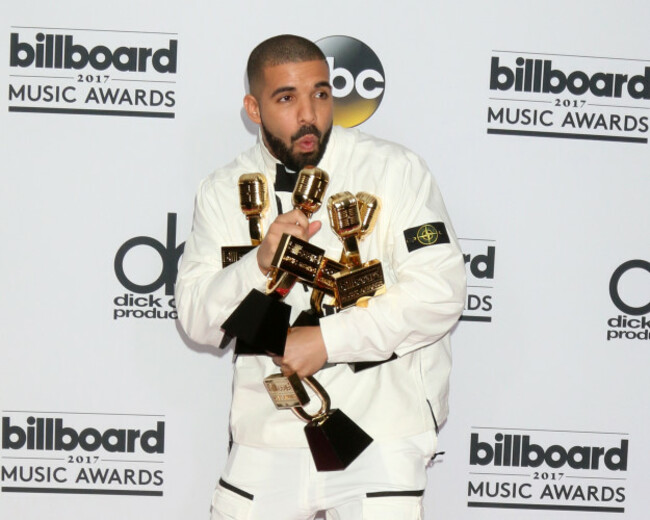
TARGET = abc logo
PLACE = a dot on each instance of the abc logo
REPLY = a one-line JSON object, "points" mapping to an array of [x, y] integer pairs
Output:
{"points": [[357, 78]]}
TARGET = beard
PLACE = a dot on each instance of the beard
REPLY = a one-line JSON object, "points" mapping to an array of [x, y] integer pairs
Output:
{"points": [[298, 160]]}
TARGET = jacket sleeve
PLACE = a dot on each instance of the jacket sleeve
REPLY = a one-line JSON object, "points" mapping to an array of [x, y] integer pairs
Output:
{"points": [[427, 295], [206, 294]]}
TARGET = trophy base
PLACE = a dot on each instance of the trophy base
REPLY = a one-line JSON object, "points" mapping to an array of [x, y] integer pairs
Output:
{"points": [[232, 254], [306, 319], [335, 441], [260, 324]]}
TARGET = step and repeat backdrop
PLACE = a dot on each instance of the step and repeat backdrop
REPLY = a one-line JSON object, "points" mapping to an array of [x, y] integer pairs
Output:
{"points": [[533, 117]]}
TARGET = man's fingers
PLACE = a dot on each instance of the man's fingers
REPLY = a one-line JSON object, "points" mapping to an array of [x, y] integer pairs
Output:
{"points": [[284, 368], [277, 229], [294, 217], [293, 223], [314, 227]]}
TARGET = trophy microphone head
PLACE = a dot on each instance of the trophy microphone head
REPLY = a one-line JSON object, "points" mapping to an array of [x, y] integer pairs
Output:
{"points": [[344, 214], [310, 189], [253, 197], [369, 207]]}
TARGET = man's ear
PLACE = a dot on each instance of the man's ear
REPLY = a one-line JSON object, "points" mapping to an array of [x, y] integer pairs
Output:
{"points": [[252, 108]]}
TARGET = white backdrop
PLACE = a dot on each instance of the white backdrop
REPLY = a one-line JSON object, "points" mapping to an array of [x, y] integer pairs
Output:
{"points": [[548, 207]]}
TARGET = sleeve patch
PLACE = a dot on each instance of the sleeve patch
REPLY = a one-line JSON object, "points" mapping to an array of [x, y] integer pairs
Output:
{"points": [[426, 235]]}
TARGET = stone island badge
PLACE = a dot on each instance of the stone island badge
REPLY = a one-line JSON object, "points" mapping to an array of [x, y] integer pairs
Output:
{"points": [[426, 235]]}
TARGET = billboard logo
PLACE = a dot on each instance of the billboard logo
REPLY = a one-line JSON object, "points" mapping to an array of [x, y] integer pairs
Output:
{"points": [[480, 256], [548, 470], [48, 433], [92, 72], [519, 451], [569, 97], [534, 75], [83, 453], [58, 51]]}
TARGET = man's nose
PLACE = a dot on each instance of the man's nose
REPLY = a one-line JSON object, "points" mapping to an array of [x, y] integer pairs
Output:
{"points": [[306, 113]]}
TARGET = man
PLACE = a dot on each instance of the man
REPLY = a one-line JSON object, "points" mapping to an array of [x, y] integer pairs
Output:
{"points": [[401, 402]]}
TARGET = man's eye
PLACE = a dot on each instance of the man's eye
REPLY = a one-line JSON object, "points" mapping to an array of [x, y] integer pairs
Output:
{"points": [[284, 99], [322, 95]]}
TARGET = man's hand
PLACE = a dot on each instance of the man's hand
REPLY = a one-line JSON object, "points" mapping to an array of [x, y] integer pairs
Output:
{"points": [[304, 352], [293, 223]]}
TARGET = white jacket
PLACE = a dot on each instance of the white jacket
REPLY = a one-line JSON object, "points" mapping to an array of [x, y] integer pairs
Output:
{"points": [[424, 298]]}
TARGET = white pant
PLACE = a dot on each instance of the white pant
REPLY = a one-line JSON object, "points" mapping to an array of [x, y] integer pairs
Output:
{"points": [[386, 482]]}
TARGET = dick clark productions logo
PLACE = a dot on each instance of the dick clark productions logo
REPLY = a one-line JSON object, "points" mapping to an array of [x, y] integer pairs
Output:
{"points": [[633, 323], [128, 305]]}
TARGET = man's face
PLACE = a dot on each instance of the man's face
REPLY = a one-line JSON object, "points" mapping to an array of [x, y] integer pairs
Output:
{"points": [[294, 107]]}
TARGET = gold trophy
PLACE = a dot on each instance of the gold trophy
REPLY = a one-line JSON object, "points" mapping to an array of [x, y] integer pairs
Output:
{"points": [[261, 321], [334, 439], [356, 285], [307, 196], [353, 218], [369, 207], [254, 203], [345, 220]]}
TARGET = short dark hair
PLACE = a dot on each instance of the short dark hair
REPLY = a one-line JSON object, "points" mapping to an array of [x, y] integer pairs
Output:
{"points": [[285, 48]]}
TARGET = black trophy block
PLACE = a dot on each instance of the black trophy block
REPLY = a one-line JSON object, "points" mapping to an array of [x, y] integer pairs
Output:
{"points": [[335, 441], [308, 318], [260, 324]]}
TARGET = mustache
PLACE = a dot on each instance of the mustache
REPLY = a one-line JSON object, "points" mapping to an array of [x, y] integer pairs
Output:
{"points": [[306, 130]]}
